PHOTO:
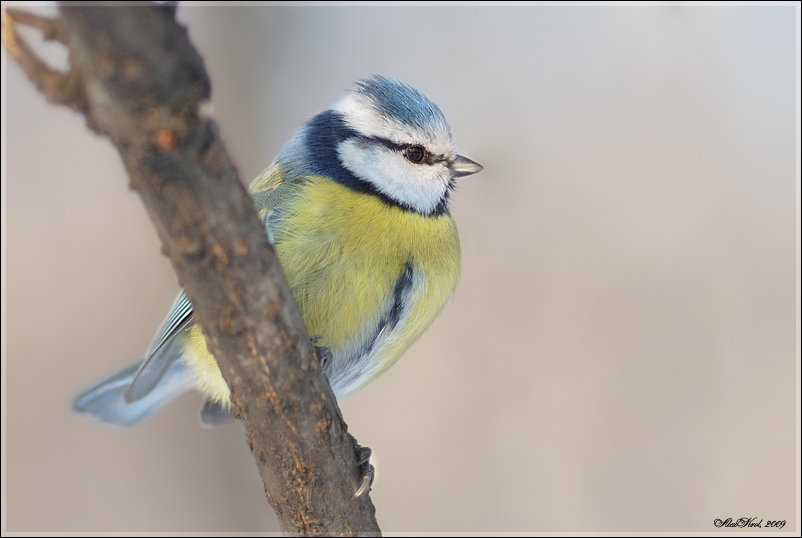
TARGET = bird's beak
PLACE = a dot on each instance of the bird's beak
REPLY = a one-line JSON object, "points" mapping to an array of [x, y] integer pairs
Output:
{"points": [[463, 166]]}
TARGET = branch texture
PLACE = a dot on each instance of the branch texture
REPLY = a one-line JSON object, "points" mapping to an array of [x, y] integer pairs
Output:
{"points": [[139, 81]]}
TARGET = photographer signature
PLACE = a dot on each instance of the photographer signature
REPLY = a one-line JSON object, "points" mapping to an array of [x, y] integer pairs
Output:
{"points": [[751, 522]]}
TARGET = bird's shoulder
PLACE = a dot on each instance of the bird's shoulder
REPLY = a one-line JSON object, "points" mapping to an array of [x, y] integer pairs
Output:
{"points": [[273, 188]]}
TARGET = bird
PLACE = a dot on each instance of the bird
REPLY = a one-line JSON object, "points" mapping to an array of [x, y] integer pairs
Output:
{"points": [[356, 205]]}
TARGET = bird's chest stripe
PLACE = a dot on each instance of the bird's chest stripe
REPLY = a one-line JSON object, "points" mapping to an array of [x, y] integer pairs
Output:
{"points": [[368, 278], [388, 322]]}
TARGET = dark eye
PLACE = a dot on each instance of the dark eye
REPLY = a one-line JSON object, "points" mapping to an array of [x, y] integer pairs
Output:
{"points": [[415, 154]]}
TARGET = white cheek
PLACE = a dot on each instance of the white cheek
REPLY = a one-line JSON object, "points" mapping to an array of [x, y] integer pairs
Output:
{"points": [[419, 186]]}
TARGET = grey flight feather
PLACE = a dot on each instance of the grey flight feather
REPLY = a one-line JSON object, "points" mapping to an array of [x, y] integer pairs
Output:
{"points": [[106, 401], [164, 351], [137, 391]]}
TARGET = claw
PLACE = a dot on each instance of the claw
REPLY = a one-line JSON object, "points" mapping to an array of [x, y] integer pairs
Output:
{"points": [[368, 471], [367, 480], [323, 355]]}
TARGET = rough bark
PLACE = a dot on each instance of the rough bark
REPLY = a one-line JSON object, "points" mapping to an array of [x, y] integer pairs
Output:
{"points": [[138, 80]]}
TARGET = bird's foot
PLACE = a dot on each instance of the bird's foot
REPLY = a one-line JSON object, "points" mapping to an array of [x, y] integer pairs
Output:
{"points": [[367, 471], [323, 354]]}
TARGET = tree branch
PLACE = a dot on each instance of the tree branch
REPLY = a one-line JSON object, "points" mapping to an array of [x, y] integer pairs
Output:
{"points": [[138, 80]]}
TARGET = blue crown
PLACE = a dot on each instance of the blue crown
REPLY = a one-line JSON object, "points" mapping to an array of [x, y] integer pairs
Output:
{"points": [[402, 103]]}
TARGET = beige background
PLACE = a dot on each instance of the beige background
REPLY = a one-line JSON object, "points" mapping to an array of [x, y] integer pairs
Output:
{"points": [[620, 354]]}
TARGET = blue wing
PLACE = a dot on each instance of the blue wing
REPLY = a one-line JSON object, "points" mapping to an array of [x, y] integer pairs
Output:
{"points": [[164, 351], [106, 401], [129, 396]]}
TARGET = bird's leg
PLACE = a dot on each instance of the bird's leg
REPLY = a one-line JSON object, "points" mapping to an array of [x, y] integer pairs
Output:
{"points": [[368, 472], [323, 354]]}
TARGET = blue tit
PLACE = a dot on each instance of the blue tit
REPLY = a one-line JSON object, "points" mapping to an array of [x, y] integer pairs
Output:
{"points": [[357, 206]]}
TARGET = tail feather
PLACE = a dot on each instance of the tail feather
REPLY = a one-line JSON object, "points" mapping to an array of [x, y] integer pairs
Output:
{"points": [[214, 413], [106, 401]]}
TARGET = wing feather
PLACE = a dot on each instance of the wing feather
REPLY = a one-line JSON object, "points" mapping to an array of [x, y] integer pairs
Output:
{"points": [[163, 352]]}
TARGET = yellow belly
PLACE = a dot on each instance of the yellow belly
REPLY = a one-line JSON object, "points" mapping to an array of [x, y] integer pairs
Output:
{"points": [[343, 252]]}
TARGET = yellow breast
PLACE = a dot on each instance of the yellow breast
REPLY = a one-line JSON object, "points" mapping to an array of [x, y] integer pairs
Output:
{"points": [[342, 252]]}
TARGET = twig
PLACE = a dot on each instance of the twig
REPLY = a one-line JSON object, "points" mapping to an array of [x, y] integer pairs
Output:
{"points": [[51, 28], [58, 88]]}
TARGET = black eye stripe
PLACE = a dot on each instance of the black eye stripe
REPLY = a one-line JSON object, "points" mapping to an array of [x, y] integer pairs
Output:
{"points": [[430, 158]]}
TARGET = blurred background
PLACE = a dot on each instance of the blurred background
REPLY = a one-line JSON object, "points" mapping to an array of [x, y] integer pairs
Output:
{"points": [[620, 353]]}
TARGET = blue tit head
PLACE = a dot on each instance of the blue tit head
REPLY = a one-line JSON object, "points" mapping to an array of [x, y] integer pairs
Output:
{"points": [[383, 138]]}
